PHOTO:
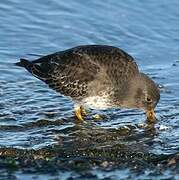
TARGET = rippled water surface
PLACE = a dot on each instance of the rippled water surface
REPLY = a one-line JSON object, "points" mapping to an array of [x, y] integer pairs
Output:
{"points": [[39, 138]]}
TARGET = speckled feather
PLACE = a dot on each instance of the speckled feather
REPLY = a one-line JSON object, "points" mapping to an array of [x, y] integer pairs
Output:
{"points": [[76, 71]]}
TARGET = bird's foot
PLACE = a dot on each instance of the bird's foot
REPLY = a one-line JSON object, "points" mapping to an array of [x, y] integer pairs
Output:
{"points": [[98, 117], [80, 113]]}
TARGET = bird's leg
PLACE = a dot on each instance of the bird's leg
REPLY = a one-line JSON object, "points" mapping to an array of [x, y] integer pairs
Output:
{"points": [[83, 111], [79, 113], [98, 117]]}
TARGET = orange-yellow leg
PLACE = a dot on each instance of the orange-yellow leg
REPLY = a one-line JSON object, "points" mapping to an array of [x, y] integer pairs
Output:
{"points": [[98, 117], [80, 113]]}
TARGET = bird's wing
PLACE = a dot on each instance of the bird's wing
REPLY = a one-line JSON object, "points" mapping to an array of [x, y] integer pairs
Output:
{"points": [[119, 65], [67, 73], [71, 71]]}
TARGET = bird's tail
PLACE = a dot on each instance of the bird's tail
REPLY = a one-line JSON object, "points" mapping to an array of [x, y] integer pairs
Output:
{"points": [[25, 63], [33, 68]]}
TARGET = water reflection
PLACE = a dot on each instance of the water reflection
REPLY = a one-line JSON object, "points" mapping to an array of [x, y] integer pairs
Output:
{"points": [[37, 126]]}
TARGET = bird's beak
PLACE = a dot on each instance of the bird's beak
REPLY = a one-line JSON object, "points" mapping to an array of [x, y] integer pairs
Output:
{"points": [[151, 116]]}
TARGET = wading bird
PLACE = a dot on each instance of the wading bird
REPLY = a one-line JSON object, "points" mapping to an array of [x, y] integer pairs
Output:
{"points": [[97, 76]]}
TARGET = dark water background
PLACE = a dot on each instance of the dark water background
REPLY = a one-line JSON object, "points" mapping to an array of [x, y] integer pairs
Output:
{"points": [[39, 138]]}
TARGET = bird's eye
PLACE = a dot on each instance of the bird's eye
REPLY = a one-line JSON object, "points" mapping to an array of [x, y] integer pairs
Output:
{"points": [[148, 99]]}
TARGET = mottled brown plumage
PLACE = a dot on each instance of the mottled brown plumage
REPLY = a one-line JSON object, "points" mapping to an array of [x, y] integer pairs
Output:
{"points": [[96, 71]]}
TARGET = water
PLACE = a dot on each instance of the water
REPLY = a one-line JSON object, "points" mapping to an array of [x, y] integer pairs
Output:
{"points": [[39, 138]]}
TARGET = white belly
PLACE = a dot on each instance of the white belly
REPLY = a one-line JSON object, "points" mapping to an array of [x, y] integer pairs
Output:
{"points": [[96, 102]]}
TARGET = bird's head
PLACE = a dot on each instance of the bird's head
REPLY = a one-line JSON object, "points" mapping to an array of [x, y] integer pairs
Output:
{"points": [[144, 94]]}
